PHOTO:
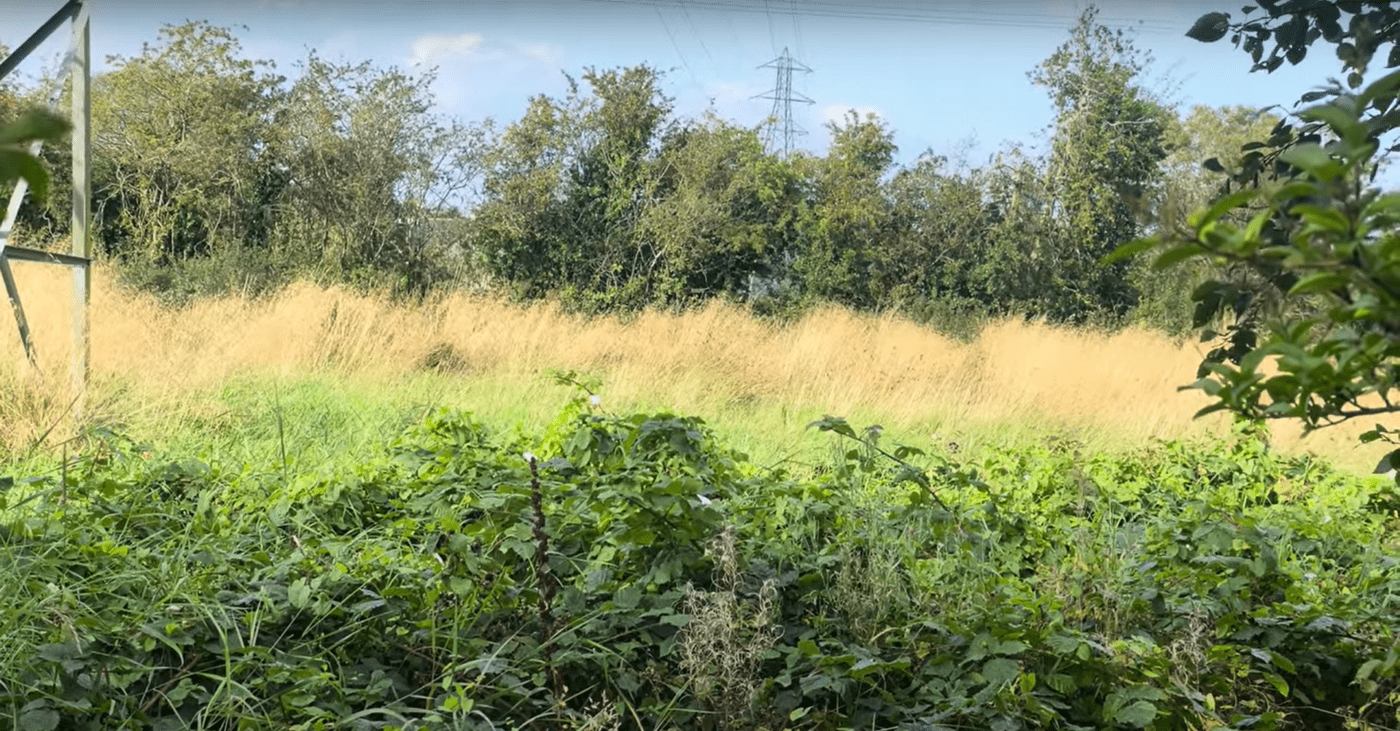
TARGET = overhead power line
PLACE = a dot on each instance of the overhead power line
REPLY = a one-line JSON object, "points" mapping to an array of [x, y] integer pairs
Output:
{"points": [[696, 32], [674, 45], [904, 13]]}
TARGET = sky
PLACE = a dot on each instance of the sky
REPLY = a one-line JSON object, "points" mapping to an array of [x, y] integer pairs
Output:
{"points": [[948, 76]]}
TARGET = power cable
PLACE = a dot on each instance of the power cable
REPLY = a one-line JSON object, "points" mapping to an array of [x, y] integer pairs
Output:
{"points": [[771, 35], [907, 14], [676, 46], [696, 32]]}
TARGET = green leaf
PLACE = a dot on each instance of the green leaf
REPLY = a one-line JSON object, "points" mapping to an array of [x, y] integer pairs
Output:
{"points": [[37, 124], [1385, 87], [1340, 120], [1210, 27], [1132, 248], [1178, 254], [1222, 206], [17, 163], [1061, 683], [1207, 411], [627, 598], [1137, 714], [1279, 683], [1062, 643], [834, 423], [1312, 159], [1000, 670], [299, 593], [38, 719], [1319, 282]]}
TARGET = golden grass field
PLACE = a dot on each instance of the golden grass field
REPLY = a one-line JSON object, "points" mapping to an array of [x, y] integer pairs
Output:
{"points": [[160, 371]]}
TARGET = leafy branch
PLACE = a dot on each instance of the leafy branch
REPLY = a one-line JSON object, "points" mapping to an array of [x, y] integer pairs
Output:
{"points": [[907, 471]]}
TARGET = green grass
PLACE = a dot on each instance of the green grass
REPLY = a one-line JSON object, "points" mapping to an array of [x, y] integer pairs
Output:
{"points": [[325, 418]]}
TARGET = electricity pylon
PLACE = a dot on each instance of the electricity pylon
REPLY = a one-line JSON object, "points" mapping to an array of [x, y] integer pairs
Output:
{"points": [[783, 96]]}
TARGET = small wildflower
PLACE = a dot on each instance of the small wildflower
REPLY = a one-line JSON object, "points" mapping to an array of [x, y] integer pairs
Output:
{"points": [[595, 400], [1326, 519], [703, 500], [1310, 576], [529, 456]]}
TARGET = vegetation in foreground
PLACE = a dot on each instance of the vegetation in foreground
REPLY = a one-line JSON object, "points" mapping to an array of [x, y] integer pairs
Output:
{"points": [[629, 571]]}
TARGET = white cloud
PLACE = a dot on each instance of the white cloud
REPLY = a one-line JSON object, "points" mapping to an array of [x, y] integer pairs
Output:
{"points": [[541, 51], [434, 48], [444, 49], [476, 72]]}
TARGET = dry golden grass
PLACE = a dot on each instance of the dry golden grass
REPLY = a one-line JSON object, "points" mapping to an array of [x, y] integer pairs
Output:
{"points": [[1108, 390]]}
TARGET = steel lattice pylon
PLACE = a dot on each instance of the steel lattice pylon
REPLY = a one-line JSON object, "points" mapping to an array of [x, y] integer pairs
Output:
{"points": [[76, 70], [783, 96]]}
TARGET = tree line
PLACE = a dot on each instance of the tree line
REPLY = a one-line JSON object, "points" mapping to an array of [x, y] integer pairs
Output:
{"points": [[214, 173]]}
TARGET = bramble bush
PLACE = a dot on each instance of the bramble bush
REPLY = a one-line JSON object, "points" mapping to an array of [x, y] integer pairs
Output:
{"points": [[1181, 587]]}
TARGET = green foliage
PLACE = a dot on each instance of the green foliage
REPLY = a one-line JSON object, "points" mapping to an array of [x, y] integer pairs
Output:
{"points": [[567, 186], [16, 158], [175, 130], [1333, 250], [1186, 186], [840, 230], [1106, 152], [212, 174], [1311, 334], [724, 214], [1295, 26], [1186, 586], [359, 175], [233, 178]]}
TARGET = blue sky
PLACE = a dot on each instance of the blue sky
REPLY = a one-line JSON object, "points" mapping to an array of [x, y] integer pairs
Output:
{"points": [[945, 75]]}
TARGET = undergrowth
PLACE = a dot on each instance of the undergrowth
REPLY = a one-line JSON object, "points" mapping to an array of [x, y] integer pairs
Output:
{"points": [[628, 571]]}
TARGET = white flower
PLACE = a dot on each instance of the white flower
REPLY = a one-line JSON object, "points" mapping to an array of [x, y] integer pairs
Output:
{"points": [[1310, 576], [594, 400], [703, 500], [1326, 519], [529, 457]]}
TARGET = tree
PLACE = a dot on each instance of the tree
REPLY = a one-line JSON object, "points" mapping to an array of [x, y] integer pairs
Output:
{"points": [[566, 186], [939, 245], [1326, 348], [841, 230], [359, 168], [177, 143], [515, 229], [724, 214], [1184, 187], [21, 109], [1294, 25], [1108, 142], [611, 184]]}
